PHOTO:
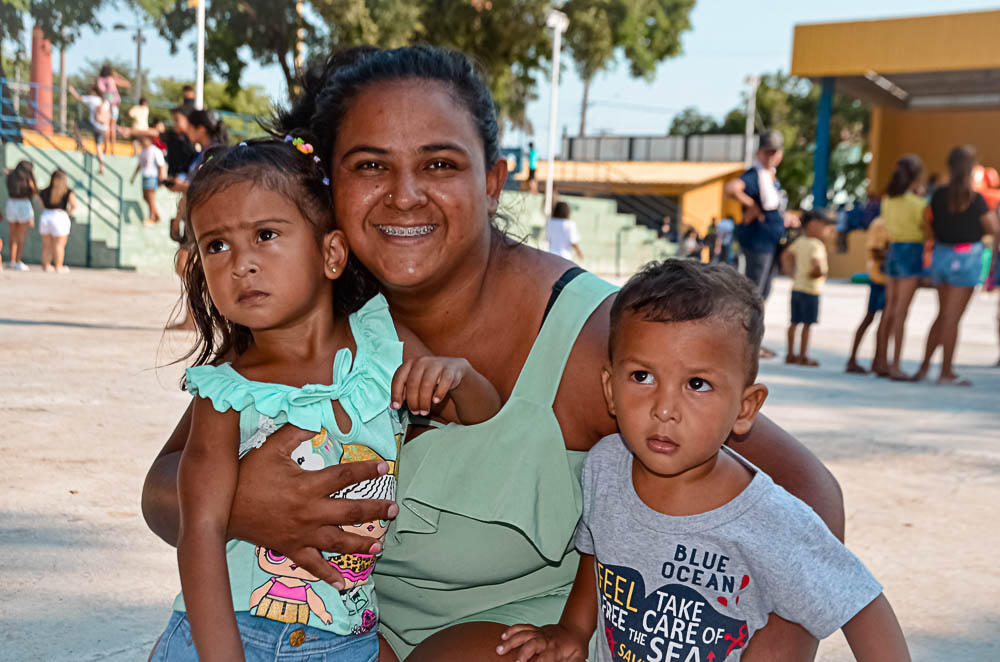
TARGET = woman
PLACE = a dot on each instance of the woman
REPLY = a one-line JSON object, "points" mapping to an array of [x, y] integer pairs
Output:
{"points": [[21, 188], [902, 213], [204, 129], [562, 233], [957, 217], [410, 140], [107, 85], [54, 225]]}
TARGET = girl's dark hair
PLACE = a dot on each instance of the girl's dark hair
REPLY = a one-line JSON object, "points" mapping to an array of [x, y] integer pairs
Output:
{"points": [[57, 190], [106, 70], [276, 166], [907, 170], [961, 162], [561, 210], [217, 131], [328, 93], [21, 180]]}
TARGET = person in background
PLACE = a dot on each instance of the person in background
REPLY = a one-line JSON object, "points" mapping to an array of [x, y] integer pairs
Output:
{"points": [[107, 87], [957, 218], [902, 212], [59, 204], [153, 167], [532, 168], [179, 151], [724, 230], [21, 188], [206, 130], [712, 239], [690, 246], [97, 122], [805, 259], [764, 219], [877, 241], [187, 99], [563, 234], [932, 186], [139, 115]]}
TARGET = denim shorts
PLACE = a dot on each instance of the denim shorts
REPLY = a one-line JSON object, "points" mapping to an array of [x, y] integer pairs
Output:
{"points": [[150, 182], [876, 297], [960, 265], [905, 259], [270, 641], [805, 307]]}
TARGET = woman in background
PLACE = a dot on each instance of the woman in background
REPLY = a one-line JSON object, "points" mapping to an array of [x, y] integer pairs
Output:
{"points": [[54, 225], [21, 188]]}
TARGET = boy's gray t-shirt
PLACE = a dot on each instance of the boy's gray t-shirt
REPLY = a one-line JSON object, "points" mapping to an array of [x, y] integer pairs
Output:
{"points": [[696, 588]]}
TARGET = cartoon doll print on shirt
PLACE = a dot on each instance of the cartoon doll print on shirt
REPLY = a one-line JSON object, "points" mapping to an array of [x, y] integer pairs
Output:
{"points": [[288, 596]]}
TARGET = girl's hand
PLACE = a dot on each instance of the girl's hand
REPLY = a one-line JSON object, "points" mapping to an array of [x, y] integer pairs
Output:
{"points": [[549, 643], [280, 506], [425, 381]]}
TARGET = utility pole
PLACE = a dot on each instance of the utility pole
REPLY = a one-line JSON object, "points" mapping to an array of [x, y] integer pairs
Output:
{"points": [[199, 79], [558, 21], [748, 147], [138, 63]]}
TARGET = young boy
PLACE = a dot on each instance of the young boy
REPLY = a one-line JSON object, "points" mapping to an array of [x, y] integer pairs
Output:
{"points": [[153, 167], [686, 547], [877, 244], [805, 258]]}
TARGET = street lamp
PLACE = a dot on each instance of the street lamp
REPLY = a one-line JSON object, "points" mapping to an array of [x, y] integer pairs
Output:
{"points": [[558, 21], [139, 41]]}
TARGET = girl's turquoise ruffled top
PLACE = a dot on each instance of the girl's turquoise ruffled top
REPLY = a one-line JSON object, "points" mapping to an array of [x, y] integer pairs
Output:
{"points": [[264, 582]]}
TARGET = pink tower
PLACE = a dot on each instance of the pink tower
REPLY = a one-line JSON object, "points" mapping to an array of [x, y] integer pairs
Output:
{"points": [[41, 76]]}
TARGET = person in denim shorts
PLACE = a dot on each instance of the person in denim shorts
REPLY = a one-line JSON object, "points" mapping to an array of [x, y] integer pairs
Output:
{"points": [[958, 218], [903, 216]]}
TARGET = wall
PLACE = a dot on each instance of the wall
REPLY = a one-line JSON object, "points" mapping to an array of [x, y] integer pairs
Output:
{"points": [[930, 134], [699, 205]]}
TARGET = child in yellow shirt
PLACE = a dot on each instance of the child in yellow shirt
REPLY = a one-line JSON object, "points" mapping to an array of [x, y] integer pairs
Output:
{"points": [[805, 260]]}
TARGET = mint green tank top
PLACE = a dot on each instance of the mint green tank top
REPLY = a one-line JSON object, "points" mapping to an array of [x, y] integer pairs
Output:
{"points": [[264, 582], [487, 511]]}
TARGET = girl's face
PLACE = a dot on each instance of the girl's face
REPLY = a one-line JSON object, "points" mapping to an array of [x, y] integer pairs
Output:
{"points": [[264, 266], [411, 191]]}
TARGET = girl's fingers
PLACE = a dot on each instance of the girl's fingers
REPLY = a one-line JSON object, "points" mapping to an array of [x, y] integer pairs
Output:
{"points": [[413, 385], [431, 376], [524, 643], [514, 629], [398, 390], [312, 561], [445, 383]]}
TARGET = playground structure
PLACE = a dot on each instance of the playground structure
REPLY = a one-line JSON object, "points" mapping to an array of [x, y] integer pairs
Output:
{"points": [[933, 82]]}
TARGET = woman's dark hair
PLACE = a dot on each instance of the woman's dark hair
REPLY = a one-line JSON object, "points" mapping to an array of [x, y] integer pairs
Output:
{"points": [[276, 166], [907, 171], [21, 180], [106, 70], [327, 94], [561, 210], [57, 189], [961, 162], [687, 291], [217, 131]]}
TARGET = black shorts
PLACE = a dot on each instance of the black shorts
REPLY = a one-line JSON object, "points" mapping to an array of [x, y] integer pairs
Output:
{"points": [[531, 174], [805, 308]]}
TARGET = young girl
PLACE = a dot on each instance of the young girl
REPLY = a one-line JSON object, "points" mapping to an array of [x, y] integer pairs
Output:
{"points": [[54, 224], [286, 336], [21, 188]]}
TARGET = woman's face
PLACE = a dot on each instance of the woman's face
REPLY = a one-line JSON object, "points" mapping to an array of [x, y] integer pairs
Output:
{"points": [[411, 190]]}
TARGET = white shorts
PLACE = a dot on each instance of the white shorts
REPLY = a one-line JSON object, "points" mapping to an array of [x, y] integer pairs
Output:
{"points": [[19, 211], [54, 222]]}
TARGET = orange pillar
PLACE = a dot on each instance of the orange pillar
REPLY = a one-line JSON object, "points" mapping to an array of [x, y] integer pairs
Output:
{"points": [[41, 77]]}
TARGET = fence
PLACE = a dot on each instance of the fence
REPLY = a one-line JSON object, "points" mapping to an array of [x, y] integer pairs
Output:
{"points": [[703, 148]]}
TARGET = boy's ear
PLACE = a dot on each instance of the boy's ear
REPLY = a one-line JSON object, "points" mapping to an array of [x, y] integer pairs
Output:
{"points": [[753, 399], [608, 393], [334, 254]]}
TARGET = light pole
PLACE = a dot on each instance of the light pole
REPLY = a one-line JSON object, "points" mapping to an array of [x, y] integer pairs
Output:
{"points": [[748, 146], [199, 79], [558, 21], [139, 41]]}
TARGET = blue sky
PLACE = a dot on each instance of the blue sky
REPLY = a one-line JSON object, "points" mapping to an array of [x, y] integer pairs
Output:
{"points": [[728, 40]]}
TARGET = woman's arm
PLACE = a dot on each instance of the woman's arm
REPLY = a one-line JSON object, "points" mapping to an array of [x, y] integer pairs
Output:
{"points": [[206, 483], [71, 204], [276, 504]]}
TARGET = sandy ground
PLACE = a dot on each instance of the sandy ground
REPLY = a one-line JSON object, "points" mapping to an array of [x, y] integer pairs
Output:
{"points": [[87, 400]]}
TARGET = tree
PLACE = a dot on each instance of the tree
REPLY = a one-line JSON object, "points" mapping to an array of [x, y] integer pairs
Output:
{"points": [[646, 32], [692, 122]]}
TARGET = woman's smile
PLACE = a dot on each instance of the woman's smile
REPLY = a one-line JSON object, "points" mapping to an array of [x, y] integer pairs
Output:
{"points": [[406, 230]]}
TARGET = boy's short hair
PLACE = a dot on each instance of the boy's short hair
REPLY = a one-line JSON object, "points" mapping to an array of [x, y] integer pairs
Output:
{"points": [[687, 291], [816, 214]]}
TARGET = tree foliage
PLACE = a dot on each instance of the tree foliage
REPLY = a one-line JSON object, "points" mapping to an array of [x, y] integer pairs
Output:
{"points": [[645, 32], [790, 105]]}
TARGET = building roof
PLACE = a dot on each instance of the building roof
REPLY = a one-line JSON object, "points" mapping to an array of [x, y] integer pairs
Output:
{"points": [[680, 174], [939, 61]]}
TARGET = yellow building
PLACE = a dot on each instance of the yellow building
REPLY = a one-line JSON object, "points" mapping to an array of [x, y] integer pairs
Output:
{"points": [[933, 82]]}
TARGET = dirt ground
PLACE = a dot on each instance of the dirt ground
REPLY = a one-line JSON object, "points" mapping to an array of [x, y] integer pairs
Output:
{"points": [[87, 397]]}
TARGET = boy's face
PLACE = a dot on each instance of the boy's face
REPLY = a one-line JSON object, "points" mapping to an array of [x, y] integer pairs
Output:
{"points": [[818, 229], [678, 390]]}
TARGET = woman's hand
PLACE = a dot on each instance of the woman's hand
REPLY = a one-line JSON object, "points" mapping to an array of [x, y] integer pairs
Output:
{"points": [[549, 643], [280, 506]]}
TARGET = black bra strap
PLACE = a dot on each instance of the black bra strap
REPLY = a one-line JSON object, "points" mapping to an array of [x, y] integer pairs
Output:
{"points": [[563, 281]]}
